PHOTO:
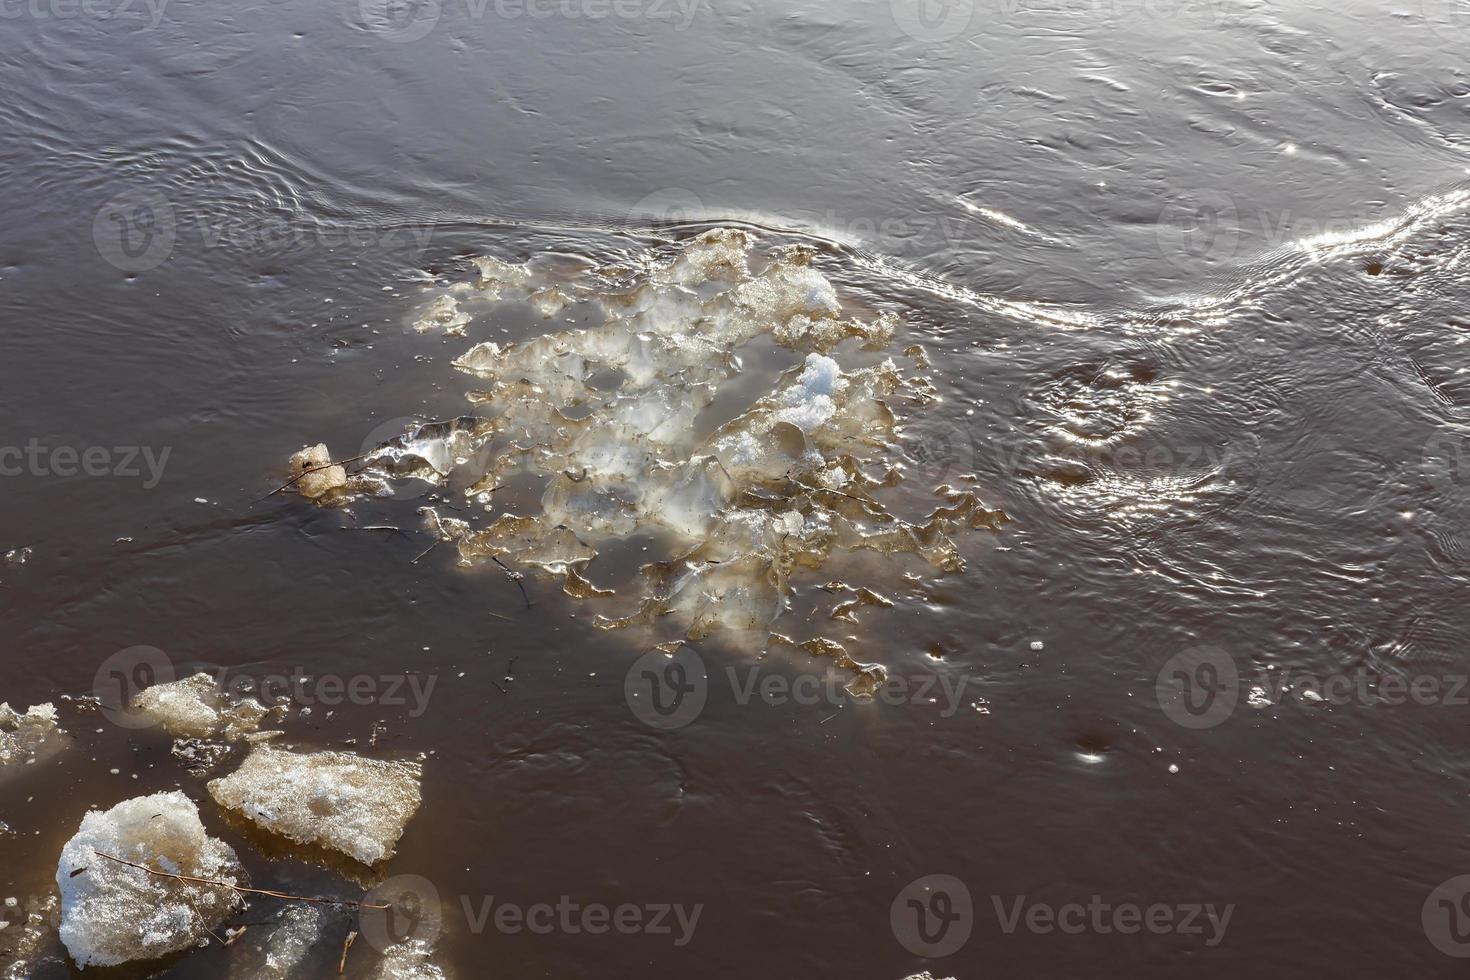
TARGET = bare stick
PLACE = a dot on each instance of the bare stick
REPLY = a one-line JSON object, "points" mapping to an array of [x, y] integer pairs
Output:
{"points": [[346, 945], [514, 577], [425, 552], [240, 888]]}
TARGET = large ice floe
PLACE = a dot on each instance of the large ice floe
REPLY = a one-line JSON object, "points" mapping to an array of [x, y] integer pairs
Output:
{"points": [[644, 424], [113, 913], [336, 800]]}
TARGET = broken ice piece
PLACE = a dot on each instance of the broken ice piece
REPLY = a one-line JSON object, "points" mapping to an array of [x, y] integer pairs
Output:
{"points": [[443, 312], [408, 961], [320, 476], [334, 799], [195, 707], [24, 945], [17, 556], [24, 737], [112, 913], [281, 953]]}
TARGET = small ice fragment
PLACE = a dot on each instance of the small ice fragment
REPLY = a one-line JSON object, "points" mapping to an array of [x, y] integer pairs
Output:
{"points": [[23, 737], [112, 913], [1037, 645], [335, 799], [282, 953], [320, 477], [195, 707], [17, 556], [1173, 768], [408, 961]]}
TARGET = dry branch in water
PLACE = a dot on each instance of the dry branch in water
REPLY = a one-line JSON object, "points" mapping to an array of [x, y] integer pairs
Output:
{"points": [[240, 888]]}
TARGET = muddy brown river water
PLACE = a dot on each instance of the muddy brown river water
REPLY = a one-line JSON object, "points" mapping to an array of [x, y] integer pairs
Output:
{"points": [[1188, 277]]}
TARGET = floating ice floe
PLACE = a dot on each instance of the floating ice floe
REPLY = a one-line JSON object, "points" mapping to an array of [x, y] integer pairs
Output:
{"points": [[314, 473], [332, 799], [197, 708], [112, 913], [411, 960], [283, 952], [24, 943], [616, 421], [26, 738]]}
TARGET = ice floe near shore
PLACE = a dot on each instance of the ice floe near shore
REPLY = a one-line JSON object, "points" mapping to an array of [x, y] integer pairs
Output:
{"points": [[112, 913], [336, 800]]}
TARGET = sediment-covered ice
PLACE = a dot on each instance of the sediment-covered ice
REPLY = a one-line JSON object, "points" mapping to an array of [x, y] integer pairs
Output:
{"points": [[314, 473], [337, 800], [25, 738], [616, 421], [196, 707], [112, 913]]}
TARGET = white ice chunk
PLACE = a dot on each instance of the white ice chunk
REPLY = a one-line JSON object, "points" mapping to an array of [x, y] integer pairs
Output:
{"points": [[112, 913], [333, 799]]}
